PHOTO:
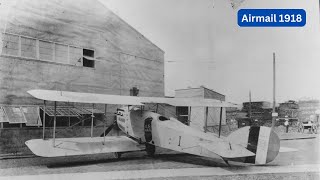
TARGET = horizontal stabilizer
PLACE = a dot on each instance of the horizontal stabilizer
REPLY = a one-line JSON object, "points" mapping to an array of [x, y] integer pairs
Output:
{"points": [[286, 149], [227, 150], [82, 146]]}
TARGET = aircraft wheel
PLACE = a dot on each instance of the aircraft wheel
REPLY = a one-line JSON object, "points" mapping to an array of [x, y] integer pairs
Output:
{"points": [[117, 155], [151, 149], [314, 128]]}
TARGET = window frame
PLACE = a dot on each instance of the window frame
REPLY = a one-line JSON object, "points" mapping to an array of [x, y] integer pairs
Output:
{"points": [[37, 55], [89, 58]]}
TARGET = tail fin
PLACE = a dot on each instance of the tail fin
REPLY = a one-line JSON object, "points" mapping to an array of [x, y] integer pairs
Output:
{"points": [[262, 141]]}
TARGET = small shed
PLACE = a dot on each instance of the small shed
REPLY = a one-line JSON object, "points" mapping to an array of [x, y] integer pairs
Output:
{"points": [[201, 92], [196, 116]]}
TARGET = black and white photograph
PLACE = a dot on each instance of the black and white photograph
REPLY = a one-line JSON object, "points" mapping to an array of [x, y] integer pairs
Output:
{"points": [[159, 89]]}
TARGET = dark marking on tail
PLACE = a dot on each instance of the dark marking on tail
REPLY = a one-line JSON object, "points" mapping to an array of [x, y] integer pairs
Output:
{"points": [[252, 143]]}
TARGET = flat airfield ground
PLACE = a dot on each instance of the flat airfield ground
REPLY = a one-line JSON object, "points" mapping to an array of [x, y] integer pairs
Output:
{"points": [[301, 164]]}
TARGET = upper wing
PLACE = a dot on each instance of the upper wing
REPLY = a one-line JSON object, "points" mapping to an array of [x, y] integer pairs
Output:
{"points": [[187, 102], [67, 96]]}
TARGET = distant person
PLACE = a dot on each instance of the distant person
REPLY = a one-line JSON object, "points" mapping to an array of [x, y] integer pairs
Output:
{"points": [[286, 124]]}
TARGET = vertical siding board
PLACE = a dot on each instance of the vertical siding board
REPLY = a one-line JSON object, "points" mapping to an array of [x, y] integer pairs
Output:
{"points": [[53, 52], [19, 47], [37, 49], [68, 55]]}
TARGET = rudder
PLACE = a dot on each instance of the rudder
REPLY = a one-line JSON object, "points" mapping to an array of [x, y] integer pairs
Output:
{"points": [[261, 140]]}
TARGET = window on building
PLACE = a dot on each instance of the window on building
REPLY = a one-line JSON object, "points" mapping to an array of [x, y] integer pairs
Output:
{"points": [[32, 116], [3, 116], [28, 48], [61, 53], [183, 114], [15, 115], [10, 44], [20, 116], [45, 50], [88, 58]]}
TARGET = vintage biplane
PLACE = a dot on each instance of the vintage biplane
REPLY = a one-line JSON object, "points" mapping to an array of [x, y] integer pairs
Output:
{"points": [[146, 130]]}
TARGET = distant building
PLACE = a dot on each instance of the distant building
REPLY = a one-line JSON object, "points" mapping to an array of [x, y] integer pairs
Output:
{"points": [[257, 105], [309, 110], [289, 109], [201, 92], [196, 116], [260, 110]]}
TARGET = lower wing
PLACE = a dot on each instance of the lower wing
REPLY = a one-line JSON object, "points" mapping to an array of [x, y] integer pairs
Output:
{"points": [[82, 146]]}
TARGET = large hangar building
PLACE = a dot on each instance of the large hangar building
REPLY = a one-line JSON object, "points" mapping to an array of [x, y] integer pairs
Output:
{"points": [[68, 45]]}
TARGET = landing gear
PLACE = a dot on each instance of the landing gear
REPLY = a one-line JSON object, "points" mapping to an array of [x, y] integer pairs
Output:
{"points": [[314, 129], [117, 155], [227, 162], [151, 149]]}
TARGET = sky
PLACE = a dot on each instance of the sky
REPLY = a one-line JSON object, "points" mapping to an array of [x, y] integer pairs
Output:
{"points": [[204, 46]]}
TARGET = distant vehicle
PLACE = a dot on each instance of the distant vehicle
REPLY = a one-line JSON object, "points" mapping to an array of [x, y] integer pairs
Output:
{"points": [[146, 130], [312, 126]]}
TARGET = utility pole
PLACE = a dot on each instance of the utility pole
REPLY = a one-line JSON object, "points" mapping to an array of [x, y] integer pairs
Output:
{"points": [[250, 105], [274, 91]]}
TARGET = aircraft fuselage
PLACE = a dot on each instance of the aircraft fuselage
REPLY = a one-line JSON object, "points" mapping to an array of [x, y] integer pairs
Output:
{"points": [[154, 129], [258, 145]]}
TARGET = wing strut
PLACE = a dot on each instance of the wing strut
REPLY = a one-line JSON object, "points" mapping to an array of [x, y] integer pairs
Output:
{"points": [[220, 121], [104, 124], [54, 123], [189, 115], [206, 123], [92, 116], [44, 119], [106, 132]]}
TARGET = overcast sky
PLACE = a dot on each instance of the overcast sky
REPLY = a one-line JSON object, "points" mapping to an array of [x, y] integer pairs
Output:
{"points": [[205, 46]]}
